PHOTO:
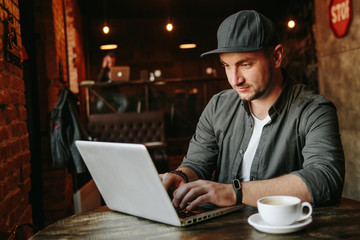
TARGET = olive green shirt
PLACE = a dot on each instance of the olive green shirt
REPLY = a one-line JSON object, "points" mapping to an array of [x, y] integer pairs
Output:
{"points": [[302, 138]]}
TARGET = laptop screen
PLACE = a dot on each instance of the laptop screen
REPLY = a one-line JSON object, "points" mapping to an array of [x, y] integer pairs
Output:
{"points": [[120, 74]]}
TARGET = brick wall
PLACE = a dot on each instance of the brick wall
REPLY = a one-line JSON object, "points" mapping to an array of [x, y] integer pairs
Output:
{"points": [[15, 169], [52, 71]]}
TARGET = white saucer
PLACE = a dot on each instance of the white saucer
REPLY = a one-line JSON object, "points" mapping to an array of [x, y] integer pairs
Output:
{"points": [[256, 221]]}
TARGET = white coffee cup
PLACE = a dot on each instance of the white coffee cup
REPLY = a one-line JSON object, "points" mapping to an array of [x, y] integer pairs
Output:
{"points": [[282, 210]]}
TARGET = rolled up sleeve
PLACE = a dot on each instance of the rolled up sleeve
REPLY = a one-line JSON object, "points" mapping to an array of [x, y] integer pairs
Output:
{"points": [[324, 164]]}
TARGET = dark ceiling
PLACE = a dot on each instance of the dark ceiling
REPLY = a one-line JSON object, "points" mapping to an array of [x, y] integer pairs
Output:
{"points": [[138, 26], [121, 9]]}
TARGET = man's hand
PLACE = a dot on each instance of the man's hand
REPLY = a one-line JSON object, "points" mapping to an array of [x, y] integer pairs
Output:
{"points": [[108, 62], [192, 194], [171, 181]]}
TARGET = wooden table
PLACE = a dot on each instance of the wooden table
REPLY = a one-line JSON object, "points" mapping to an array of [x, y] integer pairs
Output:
{"points": [[341, 221]]}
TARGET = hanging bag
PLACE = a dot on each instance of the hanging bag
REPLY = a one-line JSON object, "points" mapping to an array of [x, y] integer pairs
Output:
{"points": [[66, 129]]}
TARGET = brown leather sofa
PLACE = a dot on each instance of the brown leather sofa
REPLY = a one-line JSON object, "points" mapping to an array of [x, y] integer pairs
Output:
{"points": [[147, 128]]}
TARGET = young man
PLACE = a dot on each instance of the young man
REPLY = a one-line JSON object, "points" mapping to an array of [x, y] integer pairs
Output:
{"points": [[108, 62], [266, 136]]}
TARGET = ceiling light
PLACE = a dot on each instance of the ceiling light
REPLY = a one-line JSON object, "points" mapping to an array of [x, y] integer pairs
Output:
{"points": [[187, 44], [291, 24], [106, 29], [108, 46], [169, 27]]}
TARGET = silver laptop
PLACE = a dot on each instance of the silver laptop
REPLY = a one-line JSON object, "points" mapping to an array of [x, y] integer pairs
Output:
{"points": [[120, 74], [129, 183]]}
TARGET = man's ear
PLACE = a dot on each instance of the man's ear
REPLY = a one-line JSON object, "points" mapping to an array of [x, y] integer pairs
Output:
{"points": [[278, 55]]}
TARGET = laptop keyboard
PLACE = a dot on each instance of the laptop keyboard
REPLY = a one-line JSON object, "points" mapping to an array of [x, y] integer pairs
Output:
{"points": [[183, 213]]}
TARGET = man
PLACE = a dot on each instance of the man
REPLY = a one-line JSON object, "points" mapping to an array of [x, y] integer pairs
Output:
{"points": [[108, 62], [112, 95], [266, 136]]}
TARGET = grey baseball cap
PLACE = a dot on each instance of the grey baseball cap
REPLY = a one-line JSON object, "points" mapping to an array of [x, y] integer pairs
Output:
{"points": [[245, 31]]}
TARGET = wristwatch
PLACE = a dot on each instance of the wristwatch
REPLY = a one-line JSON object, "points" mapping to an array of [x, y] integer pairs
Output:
{"points": [[237, 188], [181, 174]]}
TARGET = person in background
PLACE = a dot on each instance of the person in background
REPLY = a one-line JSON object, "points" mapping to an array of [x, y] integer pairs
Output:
{"points": [[108, 62], [266, 136], [112, 95]]}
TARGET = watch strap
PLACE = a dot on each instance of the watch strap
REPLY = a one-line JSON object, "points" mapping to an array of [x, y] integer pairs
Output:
{"points": [[181, 174], [237, 188]]}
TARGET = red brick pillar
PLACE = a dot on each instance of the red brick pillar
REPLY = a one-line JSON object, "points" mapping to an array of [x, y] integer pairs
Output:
{"points": [[15, 169]]}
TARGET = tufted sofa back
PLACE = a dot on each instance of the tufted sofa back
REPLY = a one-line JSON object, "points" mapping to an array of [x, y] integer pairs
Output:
{"points": [[128, 127]]}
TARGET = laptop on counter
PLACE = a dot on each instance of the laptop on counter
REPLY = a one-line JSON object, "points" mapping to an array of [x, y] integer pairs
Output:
{"points": [[120, 74], [129, 183]]}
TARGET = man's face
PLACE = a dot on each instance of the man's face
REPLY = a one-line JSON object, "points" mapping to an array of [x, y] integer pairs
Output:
{"points": [[250, 74]]}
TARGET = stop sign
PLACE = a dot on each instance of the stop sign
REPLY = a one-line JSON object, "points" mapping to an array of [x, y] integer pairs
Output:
{"points": [[340, 15]]}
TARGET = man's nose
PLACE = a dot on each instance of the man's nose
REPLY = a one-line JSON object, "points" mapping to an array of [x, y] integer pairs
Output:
{"points": [[235, 77]]}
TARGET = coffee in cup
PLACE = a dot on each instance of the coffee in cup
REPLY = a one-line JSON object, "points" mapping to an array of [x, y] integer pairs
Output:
{"points": [[283, 210]]}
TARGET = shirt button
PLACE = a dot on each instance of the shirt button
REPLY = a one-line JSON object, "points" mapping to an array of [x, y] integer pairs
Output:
{"points": [[241, 151]]}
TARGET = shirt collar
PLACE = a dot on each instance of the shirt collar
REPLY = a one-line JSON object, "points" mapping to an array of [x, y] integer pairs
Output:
{"points": [[280, 103]]}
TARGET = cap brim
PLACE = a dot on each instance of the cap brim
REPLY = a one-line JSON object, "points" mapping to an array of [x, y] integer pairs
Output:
{"points": [[232, 50]]}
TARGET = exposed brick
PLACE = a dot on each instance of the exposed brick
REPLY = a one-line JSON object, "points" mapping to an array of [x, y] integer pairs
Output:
{"points": [[2, 195], [3, 225], [15, 169], [18, 129], [19, 160], [26, 157], [2, 120], [2, 174], [3, 151], [4, 98], [4, 134], [26, 171], [12, 217], [12, 199], [22, 113], [26, 214], [15, 180], [26, 187]]}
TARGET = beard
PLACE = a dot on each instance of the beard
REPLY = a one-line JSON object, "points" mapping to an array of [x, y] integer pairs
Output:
{"points": [[259, 92], [256, 95]]}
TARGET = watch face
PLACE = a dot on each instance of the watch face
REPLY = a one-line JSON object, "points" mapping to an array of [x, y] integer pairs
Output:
{"points": [[237, 189], [236, 183]]}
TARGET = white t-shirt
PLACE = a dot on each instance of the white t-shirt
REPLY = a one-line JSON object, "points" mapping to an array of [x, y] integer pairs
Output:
{"points": [[251, 149]]}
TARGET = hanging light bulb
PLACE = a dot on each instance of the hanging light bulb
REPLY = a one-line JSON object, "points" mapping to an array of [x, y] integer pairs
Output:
{"points": [[169, 27], [106, 29], [291, 24]]}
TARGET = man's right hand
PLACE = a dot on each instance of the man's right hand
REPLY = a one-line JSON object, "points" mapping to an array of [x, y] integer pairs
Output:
{"points": [[107, 62]]}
